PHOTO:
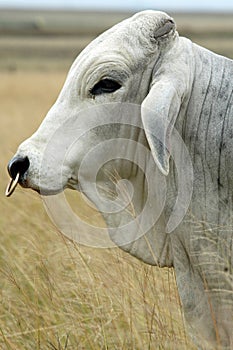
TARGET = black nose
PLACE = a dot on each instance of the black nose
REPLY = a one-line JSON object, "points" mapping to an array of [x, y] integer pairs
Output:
{"points": [[18, 165]]}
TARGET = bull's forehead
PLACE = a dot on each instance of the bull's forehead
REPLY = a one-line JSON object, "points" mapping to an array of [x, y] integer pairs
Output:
{"points": [[117, 54]]}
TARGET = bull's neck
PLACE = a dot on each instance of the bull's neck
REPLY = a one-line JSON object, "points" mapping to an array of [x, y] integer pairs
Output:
{"points": [[206, 128], [208, 103]]}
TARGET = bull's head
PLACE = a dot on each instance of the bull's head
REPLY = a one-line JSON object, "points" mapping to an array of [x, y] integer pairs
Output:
{"points": [[122, 97]]}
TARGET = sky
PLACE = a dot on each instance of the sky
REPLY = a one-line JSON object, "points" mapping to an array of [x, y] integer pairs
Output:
{"points": [[179, 5]]}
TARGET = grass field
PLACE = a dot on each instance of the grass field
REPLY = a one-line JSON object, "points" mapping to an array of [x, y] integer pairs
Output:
{"points": [[56, 294]]}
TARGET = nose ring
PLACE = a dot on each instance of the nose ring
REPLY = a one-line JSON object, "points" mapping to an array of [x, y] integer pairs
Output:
{"points": [[12, 185]]}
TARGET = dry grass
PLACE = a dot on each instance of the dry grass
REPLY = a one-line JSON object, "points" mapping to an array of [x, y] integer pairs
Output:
{"points": [[56, 294]]}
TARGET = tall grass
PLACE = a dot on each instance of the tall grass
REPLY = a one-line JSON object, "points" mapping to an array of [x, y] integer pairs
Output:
{"points": [[83, 299], [56, 294]]}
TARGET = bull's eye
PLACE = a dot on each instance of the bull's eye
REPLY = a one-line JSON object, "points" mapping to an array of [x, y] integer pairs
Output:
{"points": [[105, 86]]}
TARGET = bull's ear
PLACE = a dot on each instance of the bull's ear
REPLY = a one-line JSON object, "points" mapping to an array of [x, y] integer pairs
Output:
{"points": [[159, 112]]}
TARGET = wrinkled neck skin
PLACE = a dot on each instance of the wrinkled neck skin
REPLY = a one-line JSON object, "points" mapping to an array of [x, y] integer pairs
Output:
{"points": [[205, 123]]}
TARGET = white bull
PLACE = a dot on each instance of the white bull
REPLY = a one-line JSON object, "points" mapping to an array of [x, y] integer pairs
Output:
{"points": [[182, 89]]}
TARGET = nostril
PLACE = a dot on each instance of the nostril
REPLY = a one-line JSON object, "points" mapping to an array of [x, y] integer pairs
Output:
{"points": [[18, 165]]}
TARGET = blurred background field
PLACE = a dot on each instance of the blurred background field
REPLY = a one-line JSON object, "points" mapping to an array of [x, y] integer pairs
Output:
{"points": [[45, 40], [54, 293]]}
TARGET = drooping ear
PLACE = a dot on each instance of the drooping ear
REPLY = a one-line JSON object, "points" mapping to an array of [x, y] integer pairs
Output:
{"points": [[159, 112]]}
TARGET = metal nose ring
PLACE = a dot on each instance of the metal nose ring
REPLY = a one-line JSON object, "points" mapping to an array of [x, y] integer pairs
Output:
{"points": [[12, 185]]}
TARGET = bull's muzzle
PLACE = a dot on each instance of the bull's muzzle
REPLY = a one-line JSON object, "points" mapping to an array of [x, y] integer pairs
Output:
{"points": [[17, 167]]}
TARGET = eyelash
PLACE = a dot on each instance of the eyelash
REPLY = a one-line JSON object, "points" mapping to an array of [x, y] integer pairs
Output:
{"points": [[105, 86]]}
